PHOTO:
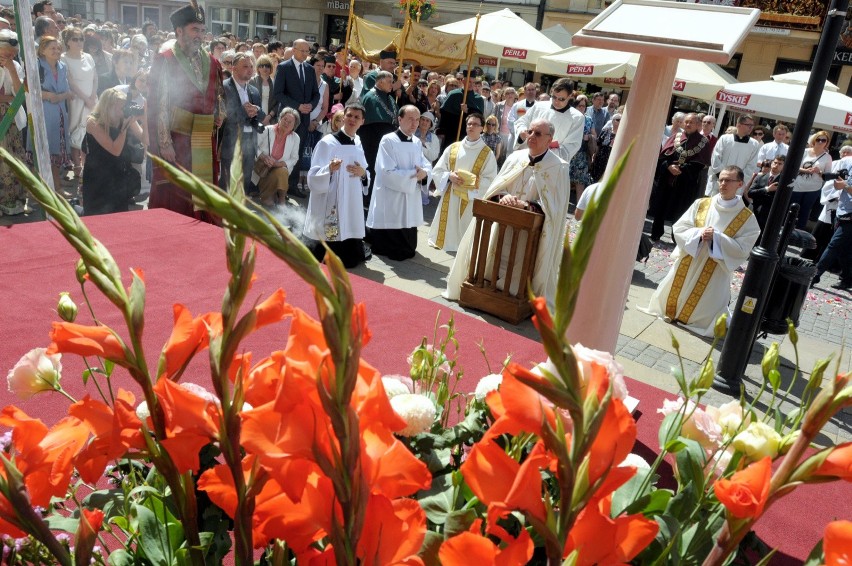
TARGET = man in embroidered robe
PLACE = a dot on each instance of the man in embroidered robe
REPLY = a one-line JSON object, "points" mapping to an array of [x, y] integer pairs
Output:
{"points": [[684, 155], [185, 103], [738, 149], [534, 179], [713, 238], [338, 179], [569, 122], [464, 171], [396, 209]]}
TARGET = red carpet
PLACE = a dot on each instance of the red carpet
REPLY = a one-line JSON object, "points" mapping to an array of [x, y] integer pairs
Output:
{"points": [[183, 261]]}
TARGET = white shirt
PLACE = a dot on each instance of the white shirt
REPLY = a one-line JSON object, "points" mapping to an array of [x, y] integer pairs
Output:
{"points": [[771, 150], [242, 91]]}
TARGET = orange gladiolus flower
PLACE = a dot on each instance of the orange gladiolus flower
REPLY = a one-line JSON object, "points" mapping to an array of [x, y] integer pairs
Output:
{"points": [[115, 433], [272, 310], [44, 456], [613, 442], [600, 539], [837, 544], [191, 422], [393, 532], [542, 315], [472, 548], [87, 534], [838, 463], [501, 482], [516, 407], [70, 338], [189, 336], [745, 494], [389, 467]]}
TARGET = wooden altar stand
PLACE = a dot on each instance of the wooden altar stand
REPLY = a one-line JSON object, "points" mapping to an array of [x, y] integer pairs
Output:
{"points": [[489, 282]]}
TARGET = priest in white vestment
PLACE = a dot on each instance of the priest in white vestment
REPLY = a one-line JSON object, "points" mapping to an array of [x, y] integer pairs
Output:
{"points": [[534, 179], [338, 179], [396, 209], [463, 173], [568, 122], [713, 238], [738, 149]]}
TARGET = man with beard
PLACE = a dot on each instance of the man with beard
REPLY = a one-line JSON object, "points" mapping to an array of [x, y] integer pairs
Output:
{"points": [[379, 119], [337, 179], [684, 155], [395, 208], [185, 99]]}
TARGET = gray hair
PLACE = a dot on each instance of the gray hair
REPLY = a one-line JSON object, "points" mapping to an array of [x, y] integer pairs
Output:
{"points": [[41, 25], [551, 129], [383, 75], [242, 55], [139, 39], [292, 113], [845, 150], [678, 117]]}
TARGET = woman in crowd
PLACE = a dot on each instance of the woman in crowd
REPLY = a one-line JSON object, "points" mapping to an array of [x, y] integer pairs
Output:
{"points": [[139, 46], [433, 90], [333, 125], [277, 153], [450, 85], [227, 63], [55, 93], [492, 139], [124, 68], [136, 92], [12, 192], [257, 50], [431, 147], [501, 112], [579, 170], [262, 81], [83, 80], [605, 141], [807, 186], [103, 60], [110, 179], [355, 80]]}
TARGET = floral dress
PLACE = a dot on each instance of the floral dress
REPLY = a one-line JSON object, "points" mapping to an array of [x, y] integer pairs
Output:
{"points": [[12, 192], [580, 162]]}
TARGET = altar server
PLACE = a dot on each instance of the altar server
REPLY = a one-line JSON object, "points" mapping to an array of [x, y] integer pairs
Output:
{"points": [[713, 238], [463, 173], [568, 122], [396, 209], [338, 180]]}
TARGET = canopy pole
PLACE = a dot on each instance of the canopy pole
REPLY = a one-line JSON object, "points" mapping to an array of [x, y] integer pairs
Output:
{"points": [[345, 70], [469, 69], [405, 29], [497, 72]]}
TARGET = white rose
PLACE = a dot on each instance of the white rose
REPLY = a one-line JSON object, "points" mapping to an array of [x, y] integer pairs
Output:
{"points": [[417, 411], [757, 441], [35, 372], [487, 384], [702, 428]]}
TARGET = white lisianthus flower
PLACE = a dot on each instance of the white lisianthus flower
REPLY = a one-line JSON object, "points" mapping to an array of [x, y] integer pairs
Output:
{"points": [[35, 372], [143, 412], [394, 386], [587, 356], [729, 416], [417, 411], [487, 384], [700, 426], [718, 462], [757, 441]]}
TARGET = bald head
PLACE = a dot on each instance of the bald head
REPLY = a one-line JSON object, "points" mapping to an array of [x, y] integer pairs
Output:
{"points": [[301, 50]]}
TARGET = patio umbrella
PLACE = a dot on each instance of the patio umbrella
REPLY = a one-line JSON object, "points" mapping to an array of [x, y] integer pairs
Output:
{"points": [[784, 100], [505, 35], [559, 35], [801, 78]]}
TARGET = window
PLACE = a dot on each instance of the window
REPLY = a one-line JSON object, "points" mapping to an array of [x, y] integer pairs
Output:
{"points": [[78, 8], [243, 24], [130, 15], [151, 14], [221, 21], [264, 24]]}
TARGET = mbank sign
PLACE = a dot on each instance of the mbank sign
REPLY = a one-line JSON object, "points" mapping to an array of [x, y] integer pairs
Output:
{"points": [[580, 69], [515, 53], [731, 98]]}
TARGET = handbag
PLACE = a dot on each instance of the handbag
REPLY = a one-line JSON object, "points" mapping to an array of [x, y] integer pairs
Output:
{"points": [[591, 146], [77, 136], [261, 169]]}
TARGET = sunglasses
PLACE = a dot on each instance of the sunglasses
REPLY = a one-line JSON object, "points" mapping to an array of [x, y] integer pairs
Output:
{"points": [[822, 140], [758, 134], [560, 98], [76, 39], [264, 66]]}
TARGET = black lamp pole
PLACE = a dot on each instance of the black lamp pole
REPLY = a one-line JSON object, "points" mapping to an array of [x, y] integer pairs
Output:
{"points": [[764, 257]]}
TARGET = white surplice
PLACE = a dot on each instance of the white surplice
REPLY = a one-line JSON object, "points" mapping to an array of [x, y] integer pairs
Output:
{"points": [[681, 287], [456, 222], [547, 184], [396, 201], [568, 128], [336, 198]]}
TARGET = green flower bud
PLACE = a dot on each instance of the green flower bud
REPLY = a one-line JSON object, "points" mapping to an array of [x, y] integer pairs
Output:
{"points": [[81, 271], [705, 378], [675, 343], [791, 331], [770, 360], [66, 308], [721, 327]]}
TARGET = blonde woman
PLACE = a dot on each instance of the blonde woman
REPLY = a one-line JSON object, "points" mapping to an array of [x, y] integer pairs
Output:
{"points": [[110, 179], [807, 186], [262, 81]]}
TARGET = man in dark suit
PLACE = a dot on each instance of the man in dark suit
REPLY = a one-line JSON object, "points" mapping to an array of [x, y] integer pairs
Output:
{"points": [[242, 103], [296, 87]]}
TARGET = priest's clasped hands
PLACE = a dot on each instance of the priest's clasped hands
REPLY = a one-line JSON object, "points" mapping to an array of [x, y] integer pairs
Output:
{"points": [[511, 200], [419, 174], [354, 169], [707, 234]]}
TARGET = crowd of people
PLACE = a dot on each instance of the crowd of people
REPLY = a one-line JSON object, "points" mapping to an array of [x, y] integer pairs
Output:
{"points": [[360, 147]]}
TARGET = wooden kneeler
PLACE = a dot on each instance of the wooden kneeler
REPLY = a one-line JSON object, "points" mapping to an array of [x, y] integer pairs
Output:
{"points": [[480, 289]]}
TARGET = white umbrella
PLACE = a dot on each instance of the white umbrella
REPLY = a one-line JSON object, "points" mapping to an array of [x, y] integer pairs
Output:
{"points": [[801, 78], [693, 79], [505, 35], [784, 100], [559, 35]]}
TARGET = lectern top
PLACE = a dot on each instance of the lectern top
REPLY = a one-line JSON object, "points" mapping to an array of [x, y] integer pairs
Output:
{"points": [[673, 29]]}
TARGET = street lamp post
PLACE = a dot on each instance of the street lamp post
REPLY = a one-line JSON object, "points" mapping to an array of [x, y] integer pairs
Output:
{"points": [[764, 257]]}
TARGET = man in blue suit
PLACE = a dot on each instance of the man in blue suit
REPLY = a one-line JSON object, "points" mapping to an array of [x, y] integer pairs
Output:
{"points": [[242, 103], [296, 87]]}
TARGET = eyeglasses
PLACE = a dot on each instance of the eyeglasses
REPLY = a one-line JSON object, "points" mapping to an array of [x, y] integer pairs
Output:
{"points": [[822, 140], [538, 134], [616, 119], [75, 39], [758, 134], [560, 98], [748, 124], [724, 181], [707, 122], [265, 66]]}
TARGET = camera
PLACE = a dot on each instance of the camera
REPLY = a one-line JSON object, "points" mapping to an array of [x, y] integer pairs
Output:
{"points": [[132, 110], [256, 124], [842, 174]]}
